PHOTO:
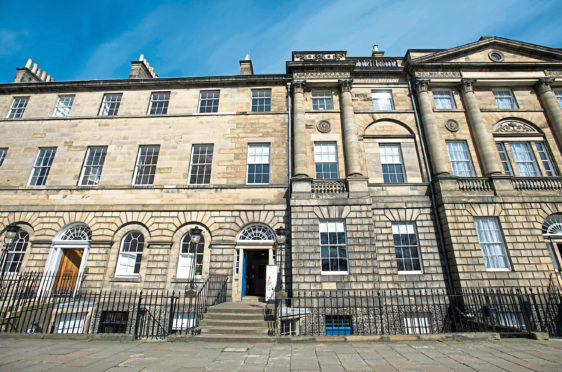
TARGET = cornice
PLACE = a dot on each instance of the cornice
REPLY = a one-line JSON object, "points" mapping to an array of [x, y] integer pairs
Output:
{"points": [[141, 84]]}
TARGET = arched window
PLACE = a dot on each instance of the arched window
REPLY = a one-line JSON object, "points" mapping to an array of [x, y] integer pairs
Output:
{"points": [[552, 231], [15, 252], [553, 226], [77, 232], [190, 258], [130, 255], [255, 233]]}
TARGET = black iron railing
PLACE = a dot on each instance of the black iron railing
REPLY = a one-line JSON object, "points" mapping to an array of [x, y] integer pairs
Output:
{"points": [[399, 312], [32, 302]]}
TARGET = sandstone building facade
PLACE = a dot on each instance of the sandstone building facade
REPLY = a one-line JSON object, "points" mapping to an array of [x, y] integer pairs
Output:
{"points": [[439, 169]]}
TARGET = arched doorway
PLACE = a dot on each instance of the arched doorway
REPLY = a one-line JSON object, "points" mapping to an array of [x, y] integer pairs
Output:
{"points": [[67, 259], [254, 252], [552, 232]]}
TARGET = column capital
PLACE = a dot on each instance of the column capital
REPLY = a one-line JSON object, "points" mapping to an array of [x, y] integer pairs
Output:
{"points": [[467, 85], [298, 86], [543, 85], [345, 85], [422, 85]]}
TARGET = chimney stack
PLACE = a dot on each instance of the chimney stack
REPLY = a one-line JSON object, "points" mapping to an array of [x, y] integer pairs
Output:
{"points": [[376, 52], [30, 73], [246, 67], [141, 69]]}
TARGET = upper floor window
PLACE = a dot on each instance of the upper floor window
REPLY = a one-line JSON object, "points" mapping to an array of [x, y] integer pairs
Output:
{"points": [[110, 104], [461, 163], [190, 261], [18, 107], [15, 251], [524, 159], [209, 101], [491, 244], [3, 153], [42, 166], [504, 159], [258, 163], [146, 165], [130, 254], [93, 165], [261, 100], [322, 100], [333, 247], [392, 165], [382, 100], [64, 104], [505, 99], [406, 247], [201, 163], [545, 159], [326, 160], [444, 99], [159, 103], [558, 94]]}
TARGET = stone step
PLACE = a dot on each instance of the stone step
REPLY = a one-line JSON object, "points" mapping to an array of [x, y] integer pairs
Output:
{"points": [[233, 316], [240, 331], [251, 339], [236, 308], [220, 322]]}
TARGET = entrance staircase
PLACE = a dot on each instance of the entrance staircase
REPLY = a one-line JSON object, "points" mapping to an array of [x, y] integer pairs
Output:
{"points": [[234, 321]]}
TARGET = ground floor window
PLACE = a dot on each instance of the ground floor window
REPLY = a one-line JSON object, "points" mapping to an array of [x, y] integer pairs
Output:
{"points": [[416, 324], [69, 323], [289, 327], [114, 322], [183, 321], [338, 325]]}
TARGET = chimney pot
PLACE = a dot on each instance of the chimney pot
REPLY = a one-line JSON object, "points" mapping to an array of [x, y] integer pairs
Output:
{"points": [[375, 47], [34, 68], [43, 75], [29, 63]]}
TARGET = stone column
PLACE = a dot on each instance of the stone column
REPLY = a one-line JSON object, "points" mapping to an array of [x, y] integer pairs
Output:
{"points": [[299, 131], [433, 139], [350, 139], [551, 106], [483, 140]]}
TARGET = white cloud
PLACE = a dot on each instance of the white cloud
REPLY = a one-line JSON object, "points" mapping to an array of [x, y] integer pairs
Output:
{"points": [[11, 41]]}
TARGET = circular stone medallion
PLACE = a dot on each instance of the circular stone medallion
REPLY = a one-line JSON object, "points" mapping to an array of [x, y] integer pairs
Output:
{"points": [[452, 125], [324, 126]]}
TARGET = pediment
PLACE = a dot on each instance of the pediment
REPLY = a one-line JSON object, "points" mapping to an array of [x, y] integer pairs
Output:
{"points": [[481, 52], [513, 127], [387, 128]]}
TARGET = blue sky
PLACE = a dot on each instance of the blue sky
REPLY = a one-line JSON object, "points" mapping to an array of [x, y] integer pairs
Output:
{"points": [[83, 40]]}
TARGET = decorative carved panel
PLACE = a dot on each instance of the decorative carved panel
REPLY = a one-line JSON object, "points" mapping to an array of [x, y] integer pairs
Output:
{"points": [[513, 126]]}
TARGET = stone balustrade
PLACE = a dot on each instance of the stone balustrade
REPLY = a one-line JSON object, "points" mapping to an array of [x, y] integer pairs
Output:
{"points": [[537, 183], [475, 184], [329, 186]]}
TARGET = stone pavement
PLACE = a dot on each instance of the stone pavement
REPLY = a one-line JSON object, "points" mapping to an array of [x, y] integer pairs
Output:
{"points": [[24, 354]]}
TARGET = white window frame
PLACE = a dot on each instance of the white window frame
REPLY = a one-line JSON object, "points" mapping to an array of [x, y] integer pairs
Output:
{"points": [[38, 166], [491, 237], [159, 102], [461, 161], [338, 227], [382, 100], [110, 103], [185, 260], [325, 153], [408, 228], [3, 153], [506, 163], [258, 159], [505, 99], [94, 169], [145, 165], [441, 96], [523, 165], [262, 100], [15, 252], [19, 104], [545, 159], [126, 269], [207, 167], [63, 106], [210, 100], [322, 99], [384, 159]]}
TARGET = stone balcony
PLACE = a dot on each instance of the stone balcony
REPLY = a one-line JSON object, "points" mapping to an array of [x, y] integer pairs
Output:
{"points": [[500, 185]]}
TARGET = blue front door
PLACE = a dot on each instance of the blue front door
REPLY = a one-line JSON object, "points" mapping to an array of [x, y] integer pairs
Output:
{"points": [[244, 267]]}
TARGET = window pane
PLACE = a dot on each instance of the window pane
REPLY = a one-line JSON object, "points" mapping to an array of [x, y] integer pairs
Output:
{"points": [[3, 153], [258, 163], [333, 246], [42, 166], [443, 99], [209, 101], [130, 256], [491, 243], [93, 165], [110, 104], [201, 163], [460, 159], [545, 159], [504, 159], [326, 160], [406, 246], [322, 100], [64, 104], [505, 99], [391, 161], [382, 100], [558, 93], [146, 165], [261, 100], [524, 159], [159, 103], [18, 107]]}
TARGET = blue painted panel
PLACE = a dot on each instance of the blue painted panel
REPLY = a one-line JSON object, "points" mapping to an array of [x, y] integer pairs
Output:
{"points": [[244, 267]]}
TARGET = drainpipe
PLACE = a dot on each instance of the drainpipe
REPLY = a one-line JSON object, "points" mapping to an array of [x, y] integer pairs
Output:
{"points": [[440, 240], [288, 243]]}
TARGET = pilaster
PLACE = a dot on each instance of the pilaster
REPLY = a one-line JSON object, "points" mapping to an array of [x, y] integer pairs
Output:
{"points": [[299, 130], [350, 138], [551, 106]]}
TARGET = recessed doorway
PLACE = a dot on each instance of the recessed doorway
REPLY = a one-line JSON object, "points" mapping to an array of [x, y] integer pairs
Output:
{"points": [[255, 263]]}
